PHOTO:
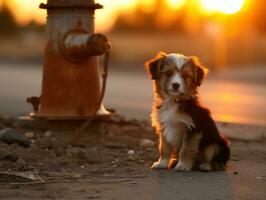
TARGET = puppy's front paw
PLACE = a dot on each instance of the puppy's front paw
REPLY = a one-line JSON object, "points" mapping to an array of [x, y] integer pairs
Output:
{"points": [[206, 167], [160, 164], [182, 166]]}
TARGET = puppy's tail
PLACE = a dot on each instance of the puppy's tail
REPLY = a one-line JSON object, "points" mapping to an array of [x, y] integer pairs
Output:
{"points": [[223, 155], [216, 156]]}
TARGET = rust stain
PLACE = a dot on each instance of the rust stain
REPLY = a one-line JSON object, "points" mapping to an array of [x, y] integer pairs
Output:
{"points": [[66, 85]]}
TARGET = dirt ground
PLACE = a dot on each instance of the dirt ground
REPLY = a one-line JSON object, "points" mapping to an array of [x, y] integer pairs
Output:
{"points": [[109, 155]]}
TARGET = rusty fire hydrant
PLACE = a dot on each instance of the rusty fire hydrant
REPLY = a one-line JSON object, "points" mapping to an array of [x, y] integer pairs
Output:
{"points": [[71, 80]]}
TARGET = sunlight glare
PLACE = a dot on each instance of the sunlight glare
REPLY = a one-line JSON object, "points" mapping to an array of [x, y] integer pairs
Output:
{"points": [[223, 6], [175, 4], [105, 18], [28, 10]]}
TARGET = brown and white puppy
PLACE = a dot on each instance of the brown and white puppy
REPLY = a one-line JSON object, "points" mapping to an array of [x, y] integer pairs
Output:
{"points": [[186, 129]]}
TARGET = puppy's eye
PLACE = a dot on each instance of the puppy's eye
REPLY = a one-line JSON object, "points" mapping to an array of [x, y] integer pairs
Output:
{"points": [[168, 73]]}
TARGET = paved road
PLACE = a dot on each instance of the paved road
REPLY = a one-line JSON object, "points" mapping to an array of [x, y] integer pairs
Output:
{"points": [[233, 98], [233, 184]]}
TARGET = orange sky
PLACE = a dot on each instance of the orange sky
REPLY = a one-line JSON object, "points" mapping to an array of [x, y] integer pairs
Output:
{"points": [[26, 10]]}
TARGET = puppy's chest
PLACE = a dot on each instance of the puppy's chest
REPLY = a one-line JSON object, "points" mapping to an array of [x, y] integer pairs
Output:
{"points": [[173, 122]]}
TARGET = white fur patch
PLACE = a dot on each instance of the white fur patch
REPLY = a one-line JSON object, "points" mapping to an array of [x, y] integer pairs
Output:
{"points": [[171, 120], [179, 59], [177, 79], [170, 134], [160, 164], [167, 117]]}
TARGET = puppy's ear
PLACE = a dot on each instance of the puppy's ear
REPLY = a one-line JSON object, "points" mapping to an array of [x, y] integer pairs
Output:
{"points": [[199, 70], [196, 70], [153, 66]]}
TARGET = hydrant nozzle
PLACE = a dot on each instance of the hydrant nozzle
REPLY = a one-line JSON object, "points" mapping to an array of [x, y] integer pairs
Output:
{"points": [[79, 46]]}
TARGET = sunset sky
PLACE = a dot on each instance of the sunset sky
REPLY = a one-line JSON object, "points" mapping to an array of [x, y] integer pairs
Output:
{"points": [[26, 10]]}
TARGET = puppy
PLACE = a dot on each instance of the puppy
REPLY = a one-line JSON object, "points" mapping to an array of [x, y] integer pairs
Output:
{"points": [[186, 129]]}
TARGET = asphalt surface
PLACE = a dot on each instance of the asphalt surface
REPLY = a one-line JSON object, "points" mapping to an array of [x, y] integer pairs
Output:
{"points": [[243, 180]]}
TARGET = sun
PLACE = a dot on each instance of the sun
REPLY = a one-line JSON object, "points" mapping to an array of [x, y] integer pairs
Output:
{"points": [[222, 6], [231, 7], [175, 4]]}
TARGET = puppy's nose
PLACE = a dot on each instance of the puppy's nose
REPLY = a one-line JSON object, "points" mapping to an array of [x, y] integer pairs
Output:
{"points": [[175, 86]]}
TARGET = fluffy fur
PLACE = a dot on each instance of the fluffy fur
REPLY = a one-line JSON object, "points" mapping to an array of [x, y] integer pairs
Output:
{"points": [[185, 128]]}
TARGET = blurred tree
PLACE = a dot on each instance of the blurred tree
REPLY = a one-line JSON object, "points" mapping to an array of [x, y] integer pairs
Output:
{"points": [[142, 21], [8, 24], [136, 21], [32, 26], [258, 10]]}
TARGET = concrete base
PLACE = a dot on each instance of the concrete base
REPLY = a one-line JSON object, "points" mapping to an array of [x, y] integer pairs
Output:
{"points": [[61, 124]]}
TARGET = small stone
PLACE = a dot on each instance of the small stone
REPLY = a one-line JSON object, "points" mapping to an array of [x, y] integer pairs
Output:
{"points": [[48, 133], [21, 162], [115, 161], [146, 143], [131, 152], [11, 136], [76, 175], [235, 173], [29, 135]]}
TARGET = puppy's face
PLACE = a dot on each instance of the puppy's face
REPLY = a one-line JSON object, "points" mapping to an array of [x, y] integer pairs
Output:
{"points": [[175, 75]]}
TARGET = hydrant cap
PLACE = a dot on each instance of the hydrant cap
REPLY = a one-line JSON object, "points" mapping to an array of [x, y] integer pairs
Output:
{"points": [[71, 4]]}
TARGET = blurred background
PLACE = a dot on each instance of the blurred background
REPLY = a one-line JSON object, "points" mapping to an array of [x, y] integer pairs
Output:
{"points": [[229, 37]]}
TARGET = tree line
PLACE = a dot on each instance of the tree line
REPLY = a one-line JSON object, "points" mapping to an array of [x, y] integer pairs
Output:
{"points": [[9, 26]]}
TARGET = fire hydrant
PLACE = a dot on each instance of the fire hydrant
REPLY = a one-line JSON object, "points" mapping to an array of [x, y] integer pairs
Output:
{"points": [[71, 86]]}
